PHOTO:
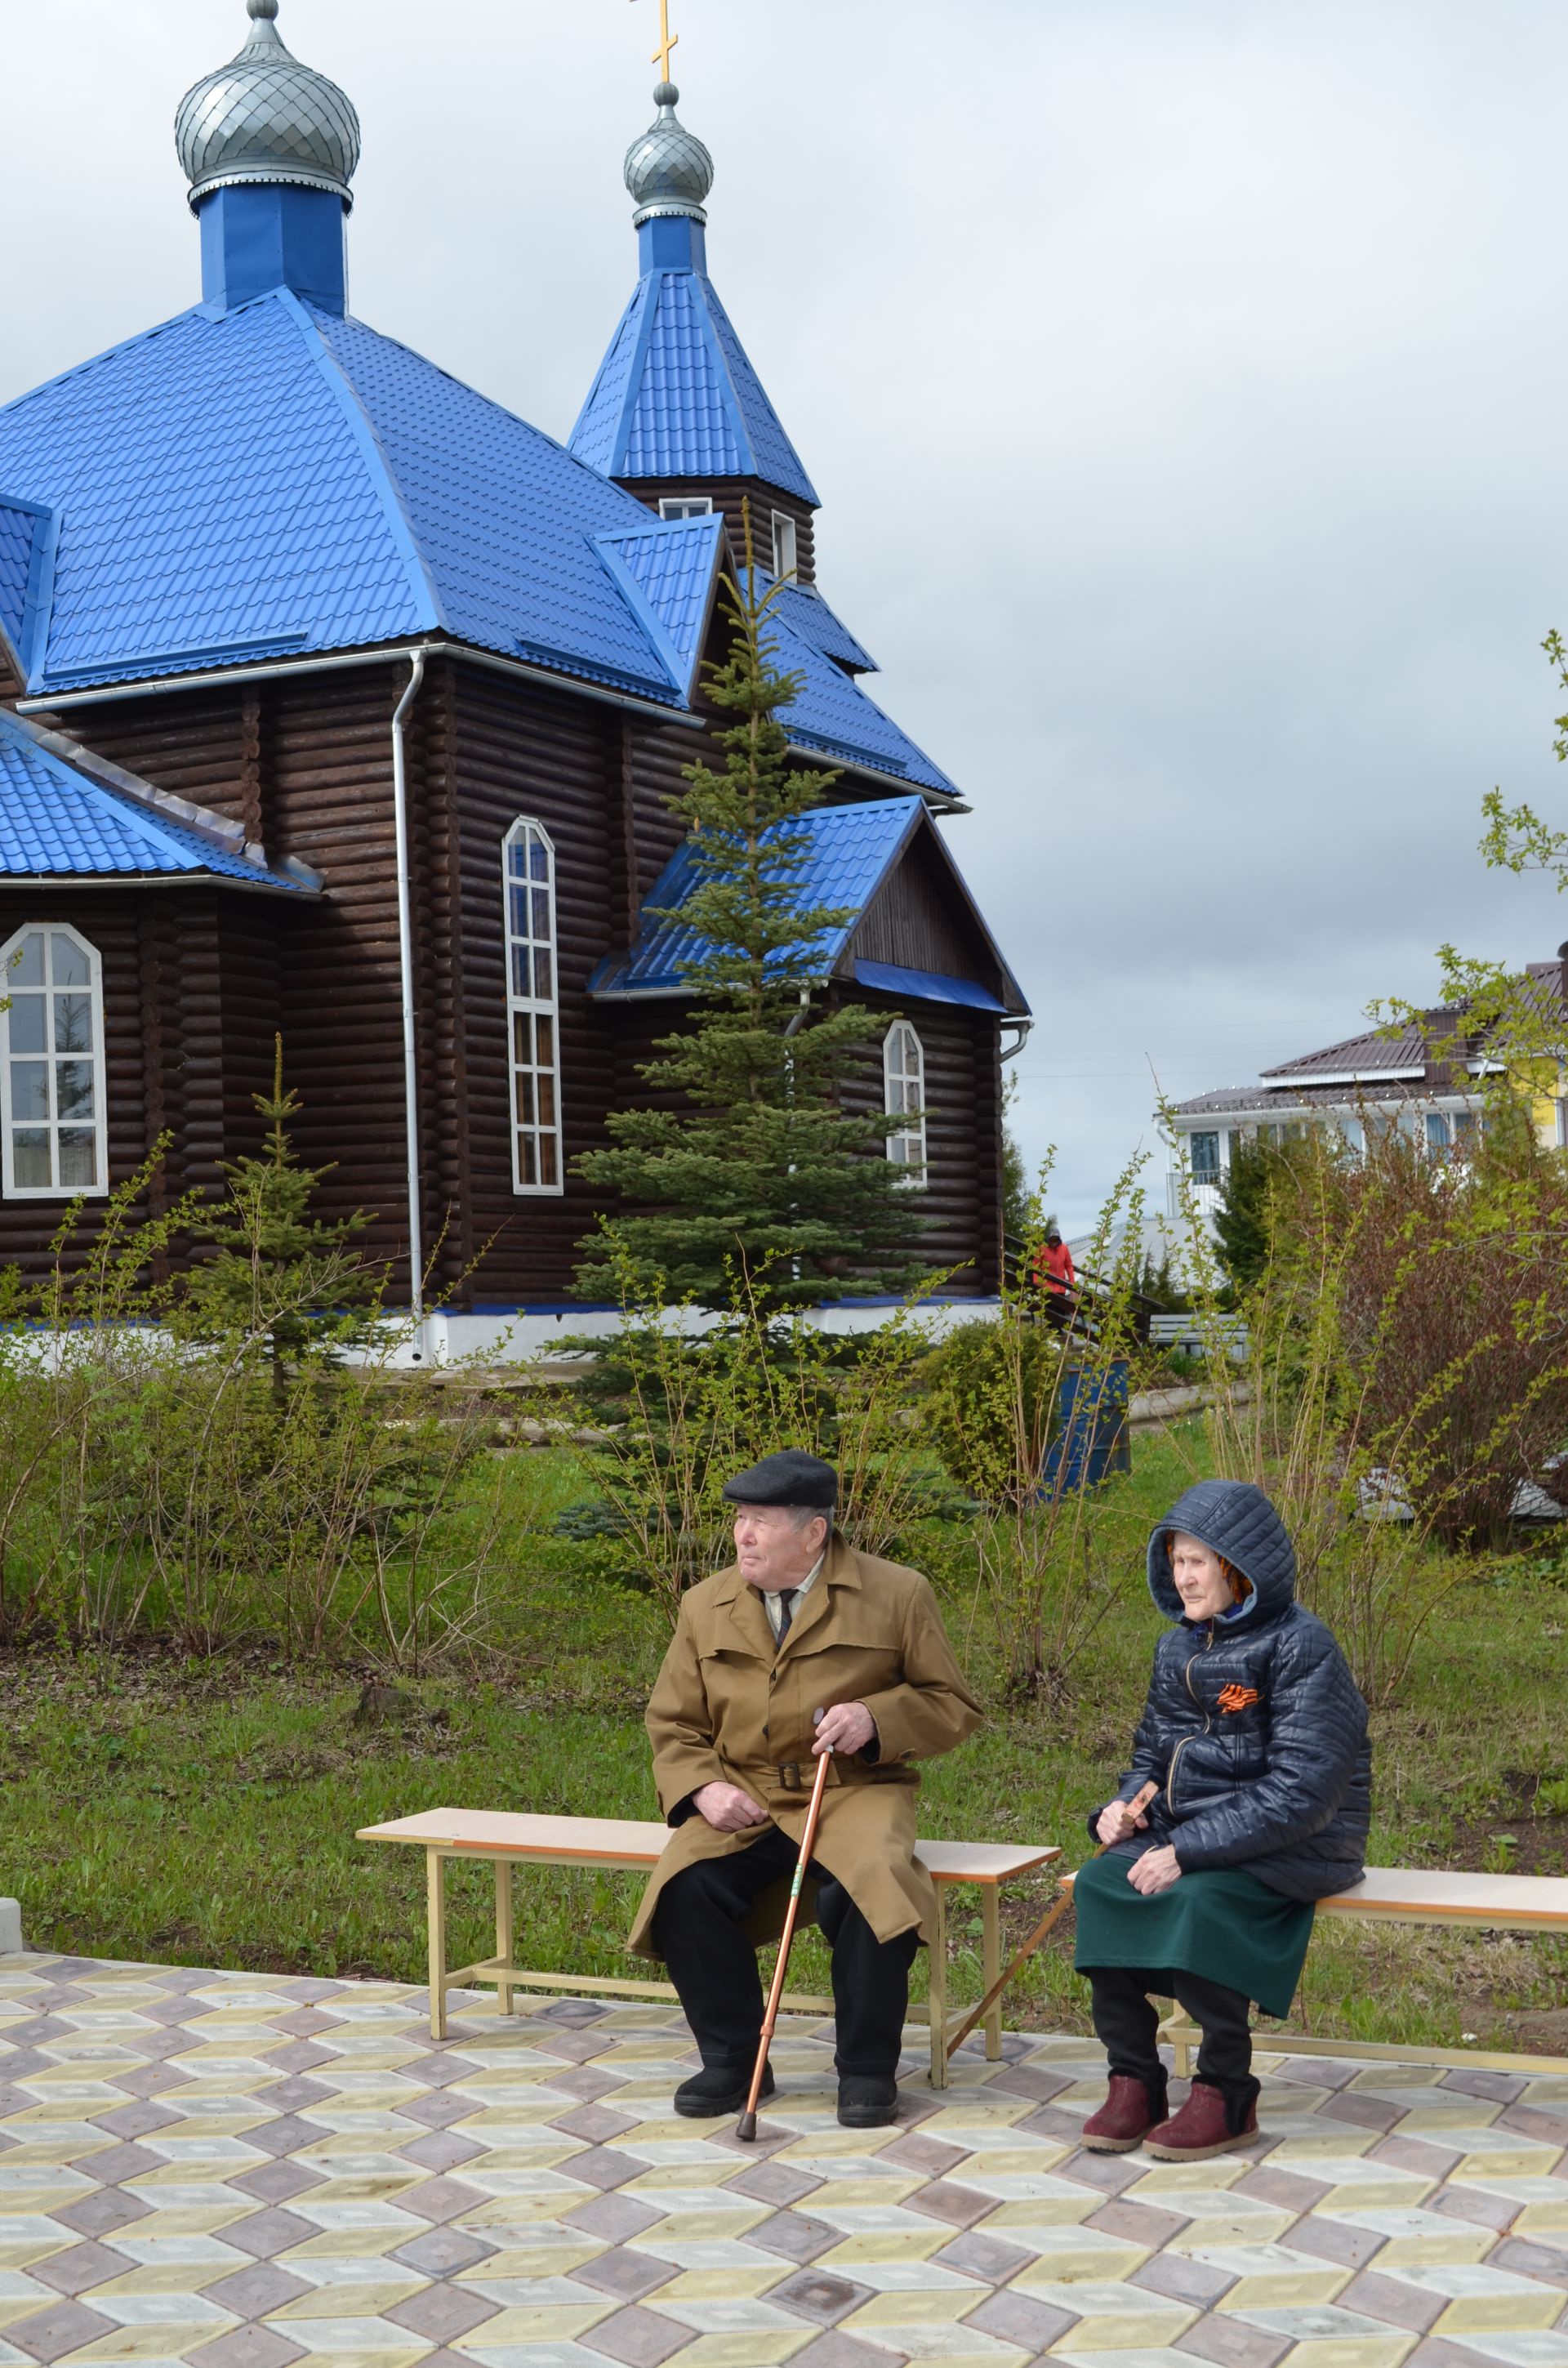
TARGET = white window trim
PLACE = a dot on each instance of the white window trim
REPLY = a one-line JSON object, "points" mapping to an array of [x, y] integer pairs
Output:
{"points": [[539, 1006], [1207, 1175], [686, 506], [13, 1190], [782, 519], [916, 1175]]}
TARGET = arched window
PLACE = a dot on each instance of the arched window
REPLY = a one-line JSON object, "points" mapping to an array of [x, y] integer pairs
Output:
{"points": [[533, 1009], [51, 1078], [903, 1081]]}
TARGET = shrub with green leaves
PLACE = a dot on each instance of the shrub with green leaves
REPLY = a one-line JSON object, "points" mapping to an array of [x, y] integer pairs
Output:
{"points": [[985, 1387]]}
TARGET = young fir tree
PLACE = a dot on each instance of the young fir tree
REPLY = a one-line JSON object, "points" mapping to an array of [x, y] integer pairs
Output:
{"points": [[764, 1173], [290, 1283], [1242, 1221]]}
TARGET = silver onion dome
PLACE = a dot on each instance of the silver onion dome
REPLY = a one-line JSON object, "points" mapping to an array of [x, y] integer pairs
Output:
{"points": [[265, 116], [669, 170]]}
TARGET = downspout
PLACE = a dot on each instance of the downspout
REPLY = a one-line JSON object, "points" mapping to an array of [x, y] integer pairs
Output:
{"points": [[406, 966]]}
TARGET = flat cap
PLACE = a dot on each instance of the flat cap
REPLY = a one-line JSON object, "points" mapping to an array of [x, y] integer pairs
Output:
{"points": [[790, 1477]]}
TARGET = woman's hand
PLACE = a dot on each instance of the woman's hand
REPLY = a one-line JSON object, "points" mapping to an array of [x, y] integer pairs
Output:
{"points": [[1155, 1870], [1117, 1823]]}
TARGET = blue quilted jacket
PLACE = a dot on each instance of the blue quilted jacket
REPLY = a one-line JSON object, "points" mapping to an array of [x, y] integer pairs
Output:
{"points": [[1254, 1728]]}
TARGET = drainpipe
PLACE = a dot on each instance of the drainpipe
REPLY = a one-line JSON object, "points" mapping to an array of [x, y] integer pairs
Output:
{"points": [[405, 965]]}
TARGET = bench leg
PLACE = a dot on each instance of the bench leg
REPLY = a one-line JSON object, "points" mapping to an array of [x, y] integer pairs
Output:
{"points": [[990, 1947], [1176, 2029], [938, 1956], [504, 1930], [436, 1937]]}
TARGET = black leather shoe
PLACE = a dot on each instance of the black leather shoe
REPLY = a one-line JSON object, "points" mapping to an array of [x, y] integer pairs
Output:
{"points": [[717, 2089], [866, 2100]]}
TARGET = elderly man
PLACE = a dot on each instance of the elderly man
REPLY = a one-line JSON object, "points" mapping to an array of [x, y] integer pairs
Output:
{"points": [[805, 1646]]}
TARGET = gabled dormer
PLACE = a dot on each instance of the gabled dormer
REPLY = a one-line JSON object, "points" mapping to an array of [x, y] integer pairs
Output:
{"points": [[677, 414]]}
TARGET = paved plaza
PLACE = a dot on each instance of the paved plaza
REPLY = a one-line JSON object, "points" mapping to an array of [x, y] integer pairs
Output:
{"points": [[236, 2170]]}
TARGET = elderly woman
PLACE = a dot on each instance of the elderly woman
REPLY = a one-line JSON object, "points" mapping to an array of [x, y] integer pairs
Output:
{"points": [[1256, 1737]]}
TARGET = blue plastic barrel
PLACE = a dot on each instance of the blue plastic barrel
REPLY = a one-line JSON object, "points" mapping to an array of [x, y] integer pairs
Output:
{"points": [[1092, 1438]]}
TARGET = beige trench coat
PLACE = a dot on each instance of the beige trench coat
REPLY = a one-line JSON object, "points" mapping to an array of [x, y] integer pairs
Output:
{"points": [[729, 1708]]}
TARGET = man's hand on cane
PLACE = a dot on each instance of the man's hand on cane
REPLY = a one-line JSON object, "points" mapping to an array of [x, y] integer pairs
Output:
{"points": [[846, 1728]]}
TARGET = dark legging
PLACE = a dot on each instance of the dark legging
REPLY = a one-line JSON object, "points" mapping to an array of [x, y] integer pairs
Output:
{"points": [[698, 1932], [1127, 2024]]}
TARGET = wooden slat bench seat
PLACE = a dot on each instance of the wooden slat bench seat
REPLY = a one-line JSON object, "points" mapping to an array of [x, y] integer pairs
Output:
{"points": [[1401, 1894], [510, 1839]]}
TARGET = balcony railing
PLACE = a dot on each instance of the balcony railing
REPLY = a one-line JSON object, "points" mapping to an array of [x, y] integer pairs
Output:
{"points": [[1205, 1194]]}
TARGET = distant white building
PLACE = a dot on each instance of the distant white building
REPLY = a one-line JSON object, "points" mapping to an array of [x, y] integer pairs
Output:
{"points": [[1424, 1082]]}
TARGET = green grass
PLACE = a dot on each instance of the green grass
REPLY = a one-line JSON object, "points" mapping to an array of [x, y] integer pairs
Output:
{"points": [[205, 1814]]}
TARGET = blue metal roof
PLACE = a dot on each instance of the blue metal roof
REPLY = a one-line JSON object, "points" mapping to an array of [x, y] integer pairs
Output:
{"points": [[677, 396], [27, 562], [834, 717], [666, 574], [803, 610], [852, 850], [503, 520], [926, 985], [18, 528], [60, 821], [273, 480]]}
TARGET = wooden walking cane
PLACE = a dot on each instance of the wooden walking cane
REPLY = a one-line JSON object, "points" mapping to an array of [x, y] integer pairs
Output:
{"points": [[1058, 1908], [746, 2126]]}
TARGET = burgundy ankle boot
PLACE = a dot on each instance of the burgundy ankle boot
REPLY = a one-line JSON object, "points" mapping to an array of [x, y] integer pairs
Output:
{"points": [[1130, 2111], [1207, 2124]]}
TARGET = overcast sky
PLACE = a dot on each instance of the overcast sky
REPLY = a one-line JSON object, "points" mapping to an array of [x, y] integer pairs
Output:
{"points": [[1182, 380]]}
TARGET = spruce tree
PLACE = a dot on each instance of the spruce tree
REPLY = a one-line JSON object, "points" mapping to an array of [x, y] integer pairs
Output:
{"points": [[291, 1283], [1241, 1221], [764, 1173]]}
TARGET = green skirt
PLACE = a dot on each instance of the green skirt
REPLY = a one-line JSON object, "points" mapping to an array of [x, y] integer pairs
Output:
{"points": [[1220, 1922]]}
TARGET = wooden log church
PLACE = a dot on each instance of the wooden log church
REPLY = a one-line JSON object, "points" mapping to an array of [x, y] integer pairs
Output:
{"points": [[338, 702]]}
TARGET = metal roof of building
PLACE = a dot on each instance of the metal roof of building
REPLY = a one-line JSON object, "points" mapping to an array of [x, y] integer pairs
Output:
{"points": [[1261, 1102], [27, 547], [926, 985], [1369, 1056], [807, 614], [675, 395], [65, 819], [833, 717], [272, 482], [852, 850], [667, 572]]}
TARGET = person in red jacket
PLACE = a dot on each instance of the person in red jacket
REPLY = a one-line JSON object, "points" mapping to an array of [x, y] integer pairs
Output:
{"points": [[1053, 1271]]}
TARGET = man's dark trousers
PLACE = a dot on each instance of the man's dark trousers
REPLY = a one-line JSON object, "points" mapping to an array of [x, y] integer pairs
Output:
{"points": [[697, 1931]]}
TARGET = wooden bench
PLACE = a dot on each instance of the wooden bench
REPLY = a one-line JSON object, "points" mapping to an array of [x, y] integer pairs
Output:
{"points": [[509, 1841], [1397, 1894]]}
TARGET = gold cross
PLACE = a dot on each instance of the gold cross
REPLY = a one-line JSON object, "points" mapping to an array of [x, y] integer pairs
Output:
{"points": [[667, 42]]}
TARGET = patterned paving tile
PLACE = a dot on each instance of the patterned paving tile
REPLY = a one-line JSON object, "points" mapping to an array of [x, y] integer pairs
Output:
{"points": [[210, 2171]]}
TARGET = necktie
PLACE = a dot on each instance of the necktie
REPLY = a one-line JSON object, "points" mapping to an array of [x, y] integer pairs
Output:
{"points": [[786, 1615]]}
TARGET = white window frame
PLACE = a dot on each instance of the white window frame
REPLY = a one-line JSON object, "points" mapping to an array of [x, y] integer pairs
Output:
{"points": [[899, 1076], [1206, 1134], [13, 1190], [528, 833], [786, 546], [686, 506]]}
